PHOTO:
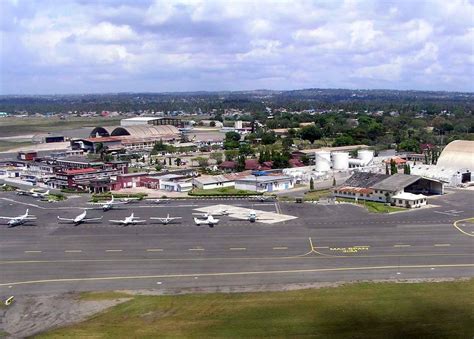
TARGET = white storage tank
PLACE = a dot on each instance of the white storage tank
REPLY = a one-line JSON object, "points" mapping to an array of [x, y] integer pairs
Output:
{"points": [[323, 161], [366, 155], [340, 161]]}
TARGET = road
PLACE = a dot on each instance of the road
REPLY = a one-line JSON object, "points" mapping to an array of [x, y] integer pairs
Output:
{"points": [[323, 244]]}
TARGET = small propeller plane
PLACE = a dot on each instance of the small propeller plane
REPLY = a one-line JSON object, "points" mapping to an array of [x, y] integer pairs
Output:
{"points": [[19, 220], [81, 218], [33, 193], [108, 205], [209, 220], [165, 221], [130, 220], [252, 217]]}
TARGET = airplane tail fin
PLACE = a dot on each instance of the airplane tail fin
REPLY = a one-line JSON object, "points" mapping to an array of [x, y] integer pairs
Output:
{"points": [[27, 211]]}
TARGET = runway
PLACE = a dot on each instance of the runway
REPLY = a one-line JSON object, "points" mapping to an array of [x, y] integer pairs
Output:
{"points": [[323, 243]]}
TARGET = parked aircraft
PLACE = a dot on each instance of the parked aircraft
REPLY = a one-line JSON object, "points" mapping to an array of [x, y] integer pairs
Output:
{"points": [[33, 193], [108, 205], [253, 217], [165, 221], [19, 220], [209, 220], [81, 218], [130, 220]]}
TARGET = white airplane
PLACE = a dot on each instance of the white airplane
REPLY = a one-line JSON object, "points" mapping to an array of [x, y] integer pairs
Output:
{"points": [[253, 217], [81, 218], [207, 221], [108, 205], [19, 220], [33, 193], [165, 221], [130, 220]]}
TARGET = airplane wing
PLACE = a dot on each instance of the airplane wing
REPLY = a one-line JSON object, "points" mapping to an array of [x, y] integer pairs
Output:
{"points": [[7, 218], [117, 221], [137, 221], [65, 219]]}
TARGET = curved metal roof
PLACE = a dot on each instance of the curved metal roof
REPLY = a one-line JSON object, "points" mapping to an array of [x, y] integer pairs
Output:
{"points": [[144, 131], [458, 154], [102, 131]]}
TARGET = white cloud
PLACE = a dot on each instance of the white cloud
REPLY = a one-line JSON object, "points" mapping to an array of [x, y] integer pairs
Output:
{"points": [[266, 43]]}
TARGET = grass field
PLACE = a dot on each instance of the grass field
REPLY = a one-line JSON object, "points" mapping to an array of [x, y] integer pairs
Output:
{"points": [[374, 207], [221, 191], [316, 195], [6, 145], [17, 126], [364, 310]]}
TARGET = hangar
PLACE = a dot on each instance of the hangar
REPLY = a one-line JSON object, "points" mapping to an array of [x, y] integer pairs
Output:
{"points": [[400, 189], [165, 132], [137, 137], [455, 164]]}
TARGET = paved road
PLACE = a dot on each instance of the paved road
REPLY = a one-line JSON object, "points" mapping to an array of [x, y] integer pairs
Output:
{"points": [[325, 243]]}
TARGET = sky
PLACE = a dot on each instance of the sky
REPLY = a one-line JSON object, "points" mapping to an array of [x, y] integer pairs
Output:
{"points": [[105, 46]]}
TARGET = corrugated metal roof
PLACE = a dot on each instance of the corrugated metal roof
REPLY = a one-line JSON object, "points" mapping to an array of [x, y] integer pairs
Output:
{"points": [[396, 182]]}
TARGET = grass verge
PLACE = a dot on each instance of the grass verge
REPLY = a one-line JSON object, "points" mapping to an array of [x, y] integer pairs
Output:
{"points": [[373, 206], [107, 295], [223, 191], [316, 195], [363, 310]]}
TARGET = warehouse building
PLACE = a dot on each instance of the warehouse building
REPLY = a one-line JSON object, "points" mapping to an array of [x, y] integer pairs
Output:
{"points": [[455, 164], [398, 189]]}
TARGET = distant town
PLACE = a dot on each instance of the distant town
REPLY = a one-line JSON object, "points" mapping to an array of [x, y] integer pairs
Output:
{"points": [[245, 143]]}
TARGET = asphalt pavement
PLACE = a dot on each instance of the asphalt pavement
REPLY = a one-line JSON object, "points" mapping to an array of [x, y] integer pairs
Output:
{"points": [[323, 243]]}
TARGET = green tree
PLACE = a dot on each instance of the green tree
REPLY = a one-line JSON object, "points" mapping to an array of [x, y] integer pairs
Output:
{"points": [[268, 138], [231, 155], [240, 163], [311, 184], [178, 162], [245, 149], [406, 169], [334, 182], [217, 156], [387, 170], [393, 167], [202, 162], [232, 140], [287, 142], [310, 133], [343, 140]]}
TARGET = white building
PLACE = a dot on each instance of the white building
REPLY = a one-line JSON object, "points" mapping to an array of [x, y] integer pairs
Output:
{"points": [[265, 183], [175, 183], [208, 182], [409, 200]]}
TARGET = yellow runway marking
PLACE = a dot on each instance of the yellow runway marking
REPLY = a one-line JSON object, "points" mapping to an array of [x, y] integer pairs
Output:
{"points": [[154, 250], [223, 274], [461, 230], [33, 251], [113, 250], [73, 251], [442, 245], [401, 245], [237, 249], [280, 248]]}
